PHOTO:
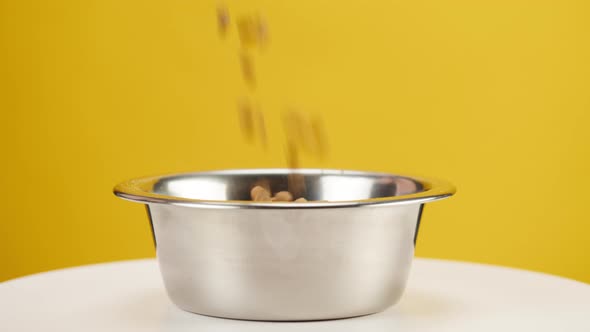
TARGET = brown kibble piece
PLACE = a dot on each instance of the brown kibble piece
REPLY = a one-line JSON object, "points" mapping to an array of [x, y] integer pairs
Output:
{"points": [[247, 30], [300, 200], [222, 20], [258, 193], [264, 183], [253, 31], [246, 116], [282, 196], [247, 65], [262, 129], [306, 133], [296, 184], [292, 155]]}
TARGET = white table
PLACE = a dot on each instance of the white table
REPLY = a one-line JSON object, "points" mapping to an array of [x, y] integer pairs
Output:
{"points": [[441, 296]]}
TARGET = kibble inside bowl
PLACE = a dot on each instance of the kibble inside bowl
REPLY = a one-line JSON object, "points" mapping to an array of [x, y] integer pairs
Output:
{"points": [[345, 251]]}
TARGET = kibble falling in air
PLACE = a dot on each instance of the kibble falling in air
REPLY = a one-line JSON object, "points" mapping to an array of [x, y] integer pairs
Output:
{"points": [[222, 20], [247, 65], [304, 135]]}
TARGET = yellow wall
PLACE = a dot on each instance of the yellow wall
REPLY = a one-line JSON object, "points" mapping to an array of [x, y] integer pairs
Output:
{"points": [[491, 95]]}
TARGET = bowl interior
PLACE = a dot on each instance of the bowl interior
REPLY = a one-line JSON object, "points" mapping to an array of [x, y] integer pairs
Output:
{"points": [[313, 185]]}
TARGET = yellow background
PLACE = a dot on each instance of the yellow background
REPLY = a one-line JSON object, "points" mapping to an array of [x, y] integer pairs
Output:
{"points": [[493, 96]]}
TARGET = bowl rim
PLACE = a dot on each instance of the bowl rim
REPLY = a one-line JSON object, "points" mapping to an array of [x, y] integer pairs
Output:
{"points": [[137, 190]]}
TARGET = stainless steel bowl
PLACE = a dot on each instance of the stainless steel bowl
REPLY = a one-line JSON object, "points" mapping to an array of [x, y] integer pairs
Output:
{"points": [[223, 255]]}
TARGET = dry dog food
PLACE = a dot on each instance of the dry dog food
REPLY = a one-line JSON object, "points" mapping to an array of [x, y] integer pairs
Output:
{"points": [[304, 134], [222, 20], [247, 65], [260, 193]]}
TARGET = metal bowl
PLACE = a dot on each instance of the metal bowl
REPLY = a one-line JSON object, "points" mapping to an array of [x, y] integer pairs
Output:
{"points": [[223, 255]]}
